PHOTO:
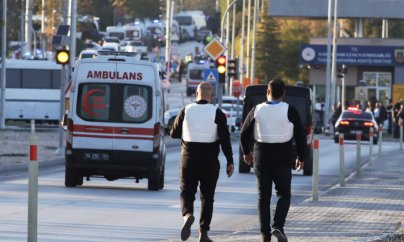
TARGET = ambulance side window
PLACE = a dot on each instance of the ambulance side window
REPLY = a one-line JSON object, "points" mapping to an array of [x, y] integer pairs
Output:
{"points": [[94, 102], [137, 105]]}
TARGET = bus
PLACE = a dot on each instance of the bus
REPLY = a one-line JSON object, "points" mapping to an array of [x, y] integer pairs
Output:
{"points": [[32, 90]]}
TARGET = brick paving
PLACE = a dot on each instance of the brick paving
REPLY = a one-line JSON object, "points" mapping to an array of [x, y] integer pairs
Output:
{"points": [[369, 208]]}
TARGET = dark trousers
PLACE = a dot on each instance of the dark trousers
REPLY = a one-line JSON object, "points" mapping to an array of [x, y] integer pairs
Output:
{"points": [[272, 168], [205, 171]]}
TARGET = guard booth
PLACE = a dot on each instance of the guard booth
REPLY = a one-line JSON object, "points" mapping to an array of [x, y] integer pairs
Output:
{"points": [[377, 67]]}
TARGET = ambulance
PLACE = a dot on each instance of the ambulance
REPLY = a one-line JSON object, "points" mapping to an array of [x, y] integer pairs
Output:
{"points": [[115, 121]]}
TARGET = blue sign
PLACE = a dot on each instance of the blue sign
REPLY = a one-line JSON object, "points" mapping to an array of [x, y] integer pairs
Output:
{"points": [[354, 55], [210, 75]]}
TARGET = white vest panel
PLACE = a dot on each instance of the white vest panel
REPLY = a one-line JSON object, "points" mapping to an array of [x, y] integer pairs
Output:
{"points": [[272, 124], [199, 123]]}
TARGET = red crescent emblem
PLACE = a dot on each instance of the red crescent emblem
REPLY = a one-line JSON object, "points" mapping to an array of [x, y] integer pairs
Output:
{"points": [[87, 106]]}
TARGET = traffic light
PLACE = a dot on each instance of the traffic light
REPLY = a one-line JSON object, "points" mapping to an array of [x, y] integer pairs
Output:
{"points": [[62, 57], [342, 70], [232, 68], [221, 68]]}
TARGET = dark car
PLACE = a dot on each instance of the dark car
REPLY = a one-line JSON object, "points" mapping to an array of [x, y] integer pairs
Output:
{"points": [[300, 98], [202, 34], [352, 120]]}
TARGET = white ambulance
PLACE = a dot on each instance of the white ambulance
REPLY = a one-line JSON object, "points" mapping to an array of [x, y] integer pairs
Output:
{"points": [[115, 121]]}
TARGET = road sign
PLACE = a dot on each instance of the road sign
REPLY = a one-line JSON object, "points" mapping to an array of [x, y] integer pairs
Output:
{"points": [[361, 93], [236, 88], [211, 75], [214, 48]]}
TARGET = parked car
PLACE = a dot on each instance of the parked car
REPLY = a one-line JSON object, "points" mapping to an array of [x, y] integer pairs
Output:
{"points": [[134, 46], [202, 34], [169, 117], [352, 120], [88, 53]]}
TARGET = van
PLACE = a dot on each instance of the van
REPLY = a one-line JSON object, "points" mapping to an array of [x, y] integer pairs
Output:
{"points": [[191, 22], [115, 121], [195, 75], [300, 98]]}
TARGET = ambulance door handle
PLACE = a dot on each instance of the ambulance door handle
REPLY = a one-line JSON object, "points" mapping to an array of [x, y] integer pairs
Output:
{"points": [[124, 131]]}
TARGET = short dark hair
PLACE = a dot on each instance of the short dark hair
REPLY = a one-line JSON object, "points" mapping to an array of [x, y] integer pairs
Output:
{"points": [[277, 87]]}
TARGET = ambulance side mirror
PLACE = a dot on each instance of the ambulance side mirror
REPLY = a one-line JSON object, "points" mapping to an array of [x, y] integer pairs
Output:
{"points": [[63, 123]]}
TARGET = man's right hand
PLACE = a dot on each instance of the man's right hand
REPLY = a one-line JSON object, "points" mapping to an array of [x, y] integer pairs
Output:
{"points": [[248, 159], [299, 165]]}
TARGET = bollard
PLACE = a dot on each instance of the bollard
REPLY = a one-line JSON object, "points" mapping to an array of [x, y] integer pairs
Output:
{"points": [[33, 186], [315, 169], [358, 151], [341, 161], [379, 143], [370, 145]]}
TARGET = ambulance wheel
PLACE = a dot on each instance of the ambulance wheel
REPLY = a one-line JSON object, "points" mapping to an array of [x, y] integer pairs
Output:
{"points": [[72, 179], [154, 182], [162, 179]]}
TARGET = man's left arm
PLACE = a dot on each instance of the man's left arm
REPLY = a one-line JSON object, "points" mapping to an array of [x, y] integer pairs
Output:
{"points": [[176, 130], [298, 133], [224, 140]]}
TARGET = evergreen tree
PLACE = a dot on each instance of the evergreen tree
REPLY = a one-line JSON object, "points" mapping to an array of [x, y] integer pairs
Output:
{"points": [[268, 59]]}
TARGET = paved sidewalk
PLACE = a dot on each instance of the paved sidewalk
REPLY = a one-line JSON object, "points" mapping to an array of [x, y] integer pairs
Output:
{"points": [[369, 208]]}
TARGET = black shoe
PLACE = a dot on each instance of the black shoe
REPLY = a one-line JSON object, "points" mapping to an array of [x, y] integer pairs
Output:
{"points": [[279, 234], [186, 228], [203, 236], [266, 238]]}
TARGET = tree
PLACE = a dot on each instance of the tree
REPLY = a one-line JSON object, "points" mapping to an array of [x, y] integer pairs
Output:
{"points": [[269, 61]]}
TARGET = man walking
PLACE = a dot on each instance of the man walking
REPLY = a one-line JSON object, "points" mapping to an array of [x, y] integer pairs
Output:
{"points": [[203, 130], [273, 125]]}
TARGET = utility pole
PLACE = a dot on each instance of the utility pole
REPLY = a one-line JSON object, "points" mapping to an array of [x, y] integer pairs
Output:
{"points": [[254, 41], [328, 68], [334, 54], [168, 38], [248, 41], [28, 25], [242, 47], [3, 65]]}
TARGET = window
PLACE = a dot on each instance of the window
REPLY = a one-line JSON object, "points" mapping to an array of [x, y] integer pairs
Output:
{"points": [[136, 103], [119, 103], [94, 102], [13, 78], [196, 74]]}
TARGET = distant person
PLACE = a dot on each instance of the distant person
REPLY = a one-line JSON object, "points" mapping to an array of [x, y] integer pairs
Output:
{"points": [[380, 113], [389, 109], [396, 114], [181, 68], [273, 124], [202, 128]]}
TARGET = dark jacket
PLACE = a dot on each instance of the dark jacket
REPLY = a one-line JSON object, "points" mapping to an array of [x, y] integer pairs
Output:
{"points": [[247, 133], [205, 149]]}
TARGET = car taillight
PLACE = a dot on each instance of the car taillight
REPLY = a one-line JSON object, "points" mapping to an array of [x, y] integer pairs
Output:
{"points": [[368, 124], [309, 136], [344, 122], [69, 136], [156, 139]]}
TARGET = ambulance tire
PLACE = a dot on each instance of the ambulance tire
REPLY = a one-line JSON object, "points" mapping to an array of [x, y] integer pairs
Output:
{"points": [[162, 179], [72, 179], [155, 180]]}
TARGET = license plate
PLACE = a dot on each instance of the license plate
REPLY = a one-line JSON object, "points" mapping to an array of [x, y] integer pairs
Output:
{"points": [[96, 156], [352, 132]]}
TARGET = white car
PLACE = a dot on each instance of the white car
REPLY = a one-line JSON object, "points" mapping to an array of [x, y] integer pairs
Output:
{"points": [[88, 53], [169, 117]]}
